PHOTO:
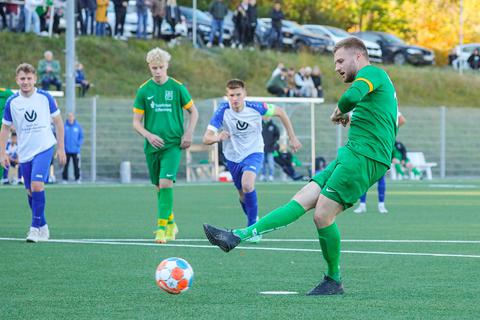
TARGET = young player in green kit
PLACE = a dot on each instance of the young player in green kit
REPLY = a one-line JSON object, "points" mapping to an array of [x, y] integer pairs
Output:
{"points": [[359, 164], [158, 116]]}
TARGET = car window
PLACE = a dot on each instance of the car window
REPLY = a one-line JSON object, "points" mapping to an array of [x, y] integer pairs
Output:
{"points": [[337, 32], [368, 36], [469, 49], [318, 31], [391, 39]]}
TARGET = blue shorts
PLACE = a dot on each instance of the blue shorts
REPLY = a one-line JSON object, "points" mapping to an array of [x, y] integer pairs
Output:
{"points": [[37, 168], [253, 162]]}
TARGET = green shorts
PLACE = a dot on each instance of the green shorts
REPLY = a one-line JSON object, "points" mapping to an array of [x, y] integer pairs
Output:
{"points": [[163, 164], [349, 176]]}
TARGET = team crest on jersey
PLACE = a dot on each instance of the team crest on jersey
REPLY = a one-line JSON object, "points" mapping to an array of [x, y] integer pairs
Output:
{"points": [[168, 95], [242, 125], [30, 116]]}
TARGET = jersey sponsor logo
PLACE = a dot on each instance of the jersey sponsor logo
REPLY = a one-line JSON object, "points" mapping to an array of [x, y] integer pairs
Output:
{"points": [[168, 95], [30, 116], [242, 125]]}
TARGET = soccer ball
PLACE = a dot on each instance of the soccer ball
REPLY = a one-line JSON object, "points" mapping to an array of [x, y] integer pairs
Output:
{"points": [[174, 275]]}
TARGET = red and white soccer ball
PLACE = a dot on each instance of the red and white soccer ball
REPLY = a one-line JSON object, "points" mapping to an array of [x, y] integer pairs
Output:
{"points": [[174, 275]]}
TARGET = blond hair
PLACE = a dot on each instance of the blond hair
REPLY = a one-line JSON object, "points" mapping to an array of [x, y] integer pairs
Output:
{"points": [[352, 43], [25, 67], [158, 55]]}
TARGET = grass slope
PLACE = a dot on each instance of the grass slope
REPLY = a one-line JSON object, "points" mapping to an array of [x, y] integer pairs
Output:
{"points": [[117, 68], [101, 281]]}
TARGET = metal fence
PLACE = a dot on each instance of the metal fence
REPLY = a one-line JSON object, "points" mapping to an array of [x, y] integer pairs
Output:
{"points": [[447, 136]]}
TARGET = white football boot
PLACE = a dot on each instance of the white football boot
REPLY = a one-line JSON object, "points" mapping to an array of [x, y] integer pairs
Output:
{"points": [[381, 207], [44, 233], [362, 208], [33, 235]]}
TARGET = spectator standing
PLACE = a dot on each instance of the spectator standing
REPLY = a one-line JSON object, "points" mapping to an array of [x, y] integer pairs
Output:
{"points": [[218, 10], [278, 85], [12, 13], [91, 9], [31, 16], [81, 79], [474, 60], [252, 21], [276, 14], [158, 14], [317, 81], [142, 14], [173, 17], [240, 20], [3, 14], [80, 6], [271, 135], [73, 143], [101, 17], [49, 71], [120, 14]]}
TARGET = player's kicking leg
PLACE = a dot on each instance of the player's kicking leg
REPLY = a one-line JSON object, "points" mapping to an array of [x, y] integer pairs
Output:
{"points": [[303, 201]]}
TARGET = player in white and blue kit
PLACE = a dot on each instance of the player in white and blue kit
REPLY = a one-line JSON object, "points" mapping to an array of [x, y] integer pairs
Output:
{"points": [[238, 124], [30, 111]]}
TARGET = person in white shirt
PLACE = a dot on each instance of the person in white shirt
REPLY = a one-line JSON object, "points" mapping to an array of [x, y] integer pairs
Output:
{"points": [[238, 125], [30, 111]]}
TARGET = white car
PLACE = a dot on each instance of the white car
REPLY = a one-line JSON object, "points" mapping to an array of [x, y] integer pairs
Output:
{"points": [[337, 34], [460, 54]]}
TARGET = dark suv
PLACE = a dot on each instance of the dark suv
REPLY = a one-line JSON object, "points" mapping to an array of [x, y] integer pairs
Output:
{"points": [[295, 36], [397, 51]]}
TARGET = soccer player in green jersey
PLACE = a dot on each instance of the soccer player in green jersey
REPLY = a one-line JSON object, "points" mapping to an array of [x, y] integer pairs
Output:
{"points": [[5, 93], [158, 116], [359, 164]]}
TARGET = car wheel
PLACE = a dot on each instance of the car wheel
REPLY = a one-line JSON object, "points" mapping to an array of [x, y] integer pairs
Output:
{"points": [[399, 59]]}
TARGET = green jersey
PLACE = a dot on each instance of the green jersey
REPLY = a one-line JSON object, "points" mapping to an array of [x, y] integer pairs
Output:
{"points": [[162, 107], [4, 95], [373, 125]]}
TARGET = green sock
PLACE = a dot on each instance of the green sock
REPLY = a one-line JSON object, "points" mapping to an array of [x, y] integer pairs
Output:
{"points": [[276, 219], [330, 243], [165, 204], [398, 167]]}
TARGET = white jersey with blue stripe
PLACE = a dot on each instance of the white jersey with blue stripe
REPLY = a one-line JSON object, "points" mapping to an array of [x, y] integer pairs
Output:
{"points": [[244, 127], [31, 117]]}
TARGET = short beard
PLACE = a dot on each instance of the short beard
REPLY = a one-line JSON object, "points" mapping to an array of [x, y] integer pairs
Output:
{"points": [[349, 78]]}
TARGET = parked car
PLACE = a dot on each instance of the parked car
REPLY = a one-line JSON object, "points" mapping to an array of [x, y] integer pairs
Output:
{"points": [[397, 51], [337, 34], [295, 37], [204, 24], [460, 54]]}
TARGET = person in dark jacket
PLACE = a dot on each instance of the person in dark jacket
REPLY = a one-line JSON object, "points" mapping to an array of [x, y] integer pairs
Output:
{"points": [[277, 16], [218, 10], [91, 9], [120, 14], [252, 21], [474, 60], [271, 134], [73, 143], [240, 20]]}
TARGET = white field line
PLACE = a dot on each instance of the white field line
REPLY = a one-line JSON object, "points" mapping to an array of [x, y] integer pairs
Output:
{"points": [[71, 241], [305, 240]]}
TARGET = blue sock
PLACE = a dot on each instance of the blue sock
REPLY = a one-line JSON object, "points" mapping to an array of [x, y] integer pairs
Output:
{"points": [[381, 189], [251, 207], [243, 206], [30, 201], [38, 209], [363, 198]]}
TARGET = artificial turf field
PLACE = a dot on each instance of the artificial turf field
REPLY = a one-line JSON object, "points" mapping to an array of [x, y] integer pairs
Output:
{"points": [[100, 263]]}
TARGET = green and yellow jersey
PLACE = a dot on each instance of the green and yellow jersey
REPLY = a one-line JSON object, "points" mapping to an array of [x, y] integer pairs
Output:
{"points": [[162, 107], [373, 125], [4, 95]]}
